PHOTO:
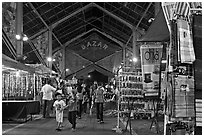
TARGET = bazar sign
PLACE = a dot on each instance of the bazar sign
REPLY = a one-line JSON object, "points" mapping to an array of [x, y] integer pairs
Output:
{"points": [[94, 43]]}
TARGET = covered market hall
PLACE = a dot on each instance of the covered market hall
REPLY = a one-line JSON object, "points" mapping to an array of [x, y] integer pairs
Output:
{"points": [[101, 68]]}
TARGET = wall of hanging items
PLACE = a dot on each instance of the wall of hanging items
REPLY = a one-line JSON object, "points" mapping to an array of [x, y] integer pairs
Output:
{"points": [[180, 94], [131, 94], [17, 85], [38, 84]]}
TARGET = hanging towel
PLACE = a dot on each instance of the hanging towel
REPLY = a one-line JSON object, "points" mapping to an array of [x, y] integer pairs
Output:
{"points": [[185, 43]]}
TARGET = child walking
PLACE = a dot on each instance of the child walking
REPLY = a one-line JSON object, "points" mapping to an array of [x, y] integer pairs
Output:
{"points": [[72, 107], [59, 105]]}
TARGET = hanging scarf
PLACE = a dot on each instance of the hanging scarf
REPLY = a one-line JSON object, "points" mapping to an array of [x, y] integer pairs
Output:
{"points": [[185, 44]]}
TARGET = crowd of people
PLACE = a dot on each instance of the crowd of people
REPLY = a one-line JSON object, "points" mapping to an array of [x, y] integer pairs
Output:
{"points": [[77, 99]]}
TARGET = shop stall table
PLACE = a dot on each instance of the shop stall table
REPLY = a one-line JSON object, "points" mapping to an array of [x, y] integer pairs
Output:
{"points": [[14, 109]]}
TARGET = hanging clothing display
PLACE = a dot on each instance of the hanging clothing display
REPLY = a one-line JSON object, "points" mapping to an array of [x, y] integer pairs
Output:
{"points": [[174, 45], [185, 44], [183, 97]]}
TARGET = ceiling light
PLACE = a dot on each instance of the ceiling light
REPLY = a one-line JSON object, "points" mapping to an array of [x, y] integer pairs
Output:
{"points": [[49, 59], [134, 59], [54, 60], [18, 37], [67, 69], [25, 38]]}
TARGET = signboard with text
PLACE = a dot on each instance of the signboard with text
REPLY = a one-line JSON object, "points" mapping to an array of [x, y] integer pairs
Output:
{"points": [[94, 47], [150, 60]]}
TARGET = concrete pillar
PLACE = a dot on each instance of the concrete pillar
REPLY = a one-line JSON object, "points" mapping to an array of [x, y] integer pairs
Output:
{"points": [[134, 42], [19, 28], [124, 56], [50, 47], [63, 62]]}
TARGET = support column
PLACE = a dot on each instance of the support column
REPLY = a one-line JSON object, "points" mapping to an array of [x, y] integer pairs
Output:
{"points": [[19, 29], [63, 62], [124, 55], [134, 42], [50, 47]]}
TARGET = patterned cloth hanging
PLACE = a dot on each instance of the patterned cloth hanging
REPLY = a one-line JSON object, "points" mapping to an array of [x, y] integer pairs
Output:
{"points": [[182, 9], [174, 45], [185, 43]]}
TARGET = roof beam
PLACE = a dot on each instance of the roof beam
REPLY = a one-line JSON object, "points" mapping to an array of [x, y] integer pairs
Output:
{"points": [[62, 20], [94, 29], [38, 33], [48, 27], [115, 40], [139, 22], [72, 14], [114, 16], [117, 18]]}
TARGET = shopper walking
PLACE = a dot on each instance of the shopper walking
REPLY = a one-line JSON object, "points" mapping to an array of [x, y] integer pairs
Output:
{"points": [[72, 108], [59, 106], [47, 93], [85, 102], [99, 99], [79, 96]]}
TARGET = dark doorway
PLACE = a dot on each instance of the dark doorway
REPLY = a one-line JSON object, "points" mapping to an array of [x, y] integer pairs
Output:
{"points": [[97, 76]]}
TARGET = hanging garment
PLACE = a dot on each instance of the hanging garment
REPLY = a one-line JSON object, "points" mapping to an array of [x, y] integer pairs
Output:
{"points": [[185, 43], [174, 45], [183, 97]]}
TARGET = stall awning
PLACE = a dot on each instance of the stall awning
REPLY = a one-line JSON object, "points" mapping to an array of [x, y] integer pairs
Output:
{"points": [[9, 62], [158, 31], [41, 69]]}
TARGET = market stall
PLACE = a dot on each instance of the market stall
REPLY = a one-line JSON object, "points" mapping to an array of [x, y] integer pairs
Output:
{"points": [[18, 90]]}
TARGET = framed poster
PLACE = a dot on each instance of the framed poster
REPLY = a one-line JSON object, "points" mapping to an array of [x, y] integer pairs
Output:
{"points": [[150, 60]]}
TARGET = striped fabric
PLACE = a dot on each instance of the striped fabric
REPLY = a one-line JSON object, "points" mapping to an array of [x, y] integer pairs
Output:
{"points": [[198, 112], [183, 9], [168, 8], [185, 44]]}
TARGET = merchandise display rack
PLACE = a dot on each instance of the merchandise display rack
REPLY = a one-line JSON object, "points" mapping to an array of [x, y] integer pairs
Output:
{"points": [[130, 95]]}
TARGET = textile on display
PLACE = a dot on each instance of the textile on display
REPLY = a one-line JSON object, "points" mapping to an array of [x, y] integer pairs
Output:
{"points": [[151, 59], [182, 9], [183, 97], [174, 45], [185, 42]]}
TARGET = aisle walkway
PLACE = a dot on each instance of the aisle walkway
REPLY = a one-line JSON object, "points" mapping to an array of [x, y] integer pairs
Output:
{"points": [[85, 126]]}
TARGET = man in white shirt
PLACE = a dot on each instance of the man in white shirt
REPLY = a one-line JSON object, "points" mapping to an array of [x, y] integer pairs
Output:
{"points": [[47, 97]]}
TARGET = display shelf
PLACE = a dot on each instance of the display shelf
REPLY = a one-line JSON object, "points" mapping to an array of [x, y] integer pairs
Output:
{"points": [[131, 89], [135, 96], [125, 102]]}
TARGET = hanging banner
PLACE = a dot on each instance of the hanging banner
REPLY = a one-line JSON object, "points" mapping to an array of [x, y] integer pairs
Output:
{"points": [[150, 59]]}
